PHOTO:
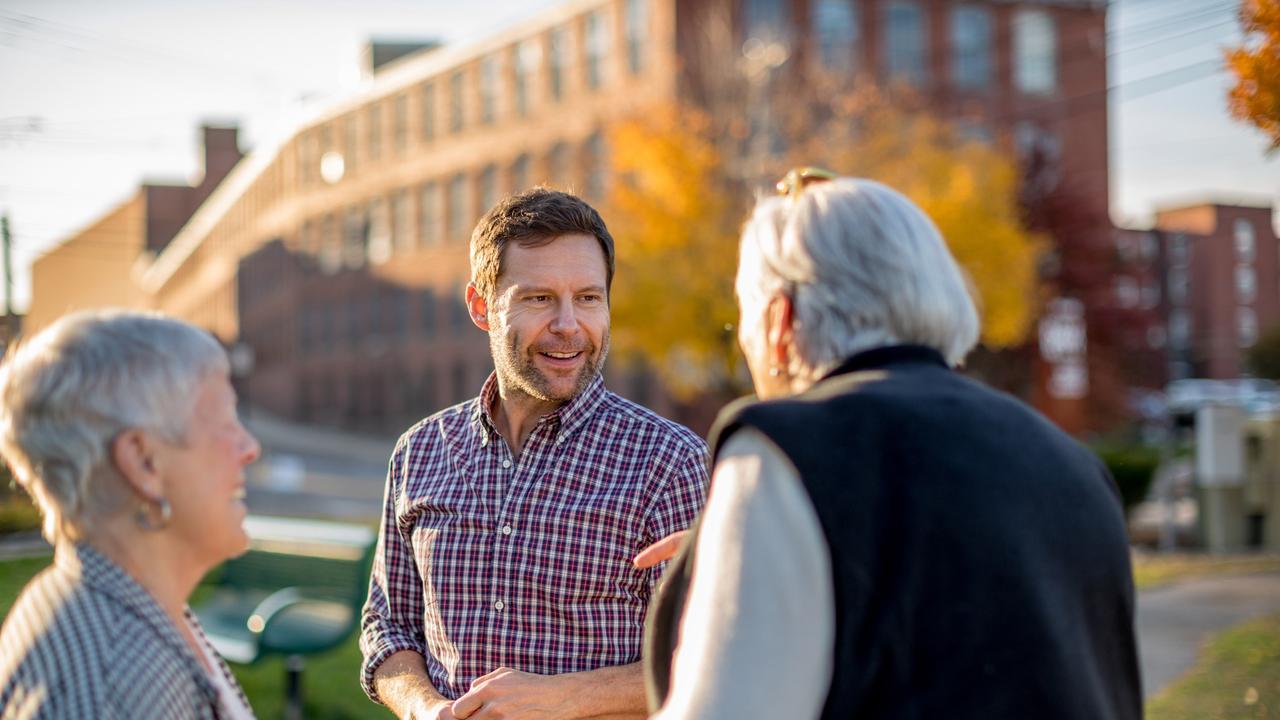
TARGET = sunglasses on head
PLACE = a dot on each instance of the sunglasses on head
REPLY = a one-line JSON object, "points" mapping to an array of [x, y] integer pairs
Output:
{"points": [[797, 179]]}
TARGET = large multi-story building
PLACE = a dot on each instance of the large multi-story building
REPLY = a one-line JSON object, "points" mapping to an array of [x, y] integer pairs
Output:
{"points": [[1212, 272], [339, 255]]}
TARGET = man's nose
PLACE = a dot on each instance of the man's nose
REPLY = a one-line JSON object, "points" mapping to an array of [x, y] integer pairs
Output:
{"points": [[566, 319]]}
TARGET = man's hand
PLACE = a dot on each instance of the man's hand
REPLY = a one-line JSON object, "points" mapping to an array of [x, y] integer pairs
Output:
{"points": [[664, 549], [507, 693]]}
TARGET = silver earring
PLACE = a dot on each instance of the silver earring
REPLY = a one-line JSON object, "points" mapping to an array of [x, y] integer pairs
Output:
{"points": [[775, 371], [153, 515]]}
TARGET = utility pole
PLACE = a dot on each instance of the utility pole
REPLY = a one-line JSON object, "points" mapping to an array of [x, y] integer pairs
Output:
{"points": [[8, 267]]}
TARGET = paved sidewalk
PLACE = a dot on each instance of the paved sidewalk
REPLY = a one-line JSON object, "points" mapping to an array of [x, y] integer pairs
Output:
{"points": [[1174, 621]]}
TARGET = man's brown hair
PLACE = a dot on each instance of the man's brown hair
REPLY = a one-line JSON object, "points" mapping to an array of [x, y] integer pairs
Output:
{"points": [[531, 219]]}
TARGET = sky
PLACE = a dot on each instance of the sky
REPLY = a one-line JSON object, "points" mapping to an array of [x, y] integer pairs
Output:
{"points": [[97, 97]]}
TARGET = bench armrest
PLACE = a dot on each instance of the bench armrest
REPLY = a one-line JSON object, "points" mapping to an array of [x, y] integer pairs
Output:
{"points": [[270, 606]]}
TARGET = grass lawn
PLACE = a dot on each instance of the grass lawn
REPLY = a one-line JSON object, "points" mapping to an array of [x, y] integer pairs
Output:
{"points": [[1150, 570], [329, 683], [1238, 678]]}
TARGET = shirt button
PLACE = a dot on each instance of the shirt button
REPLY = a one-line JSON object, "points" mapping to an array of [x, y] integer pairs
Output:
{"points": [[506, 463], [499, 605], [506, 529], [559, 439]]}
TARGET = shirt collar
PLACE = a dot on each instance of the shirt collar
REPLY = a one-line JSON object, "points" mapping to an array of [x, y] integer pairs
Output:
{"points": [[888, 355], [569, 416], [99, 573]]}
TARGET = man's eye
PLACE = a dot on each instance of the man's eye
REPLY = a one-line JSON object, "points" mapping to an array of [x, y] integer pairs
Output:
{"points": [[590, 298]]}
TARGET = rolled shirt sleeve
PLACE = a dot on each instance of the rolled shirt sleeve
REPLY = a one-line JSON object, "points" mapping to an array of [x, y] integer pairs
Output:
{"points": [[762, 588], [392, 616], [678, 502]]}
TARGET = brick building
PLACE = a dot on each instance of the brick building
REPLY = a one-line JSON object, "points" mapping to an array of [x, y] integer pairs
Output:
{"points": [[1213, 269], [339, 256]]}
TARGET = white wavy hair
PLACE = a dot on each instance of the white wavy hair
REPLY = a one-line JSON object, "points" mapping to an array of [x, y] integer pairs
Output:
{"points": [[863, 267], [66, 393]]}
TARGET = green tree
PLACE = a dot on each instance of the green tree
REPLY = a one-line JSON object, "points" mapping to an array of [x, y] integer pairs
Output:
{"points": [[1263, 358]]}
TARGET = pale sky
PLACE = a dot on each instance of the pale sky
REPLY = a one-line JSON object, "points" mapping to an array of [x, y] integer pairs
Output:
{"points": [[96, 97]]}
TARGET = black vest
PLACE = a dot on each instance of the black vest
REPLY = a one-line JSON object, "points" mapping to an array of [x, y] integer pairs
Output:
{"points": [[979, 556]]}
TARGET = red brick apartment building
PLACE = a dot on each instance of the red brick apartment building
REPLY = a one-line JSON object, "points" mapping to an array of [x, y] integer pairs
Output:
{"points": [[1211, 273], [339, 255]]}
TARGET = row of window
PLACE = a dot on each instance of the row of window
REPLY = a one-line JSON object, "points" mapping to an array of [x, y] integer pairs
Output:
{"points": [[371, 397], [475, 93], [904, 24], [441, 210], [392, 316]]}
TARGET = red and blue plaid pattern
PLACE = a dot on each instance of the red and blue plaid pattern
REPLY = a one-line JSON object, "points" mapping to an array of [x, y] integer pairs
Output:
{"points": [[484, 561]]}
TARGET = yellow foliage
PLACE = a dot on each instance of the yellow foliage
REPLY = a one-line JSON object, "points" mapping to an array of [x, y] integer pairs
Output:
{"points": [[675, 227], [675, 218]]}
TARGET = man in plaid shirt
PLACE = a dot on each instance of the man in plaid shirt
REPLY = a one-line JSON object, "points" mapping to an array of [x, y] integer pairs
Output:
{"points": [[503, 584]]}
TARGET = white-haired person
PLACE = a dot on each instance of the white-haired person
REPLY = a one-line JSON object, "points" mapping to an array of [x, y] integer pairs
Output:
{"points": [[885, 538], [122, 426]]}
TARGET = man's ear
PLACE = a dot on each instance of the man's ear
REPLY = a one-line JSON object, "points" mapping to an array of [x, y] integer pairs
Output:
{"points": [[779, 329], [477, 307], [135, 456]]}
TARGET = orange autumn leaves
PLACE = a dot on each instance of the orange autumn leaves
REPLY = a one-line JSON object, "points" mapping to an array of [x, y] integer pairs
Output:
{"points": [[1255, 98]]}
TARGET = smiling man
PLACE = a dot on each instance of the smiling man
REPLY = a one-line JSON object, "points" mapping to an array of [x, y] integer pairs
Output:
{"points": [[503, 583]]}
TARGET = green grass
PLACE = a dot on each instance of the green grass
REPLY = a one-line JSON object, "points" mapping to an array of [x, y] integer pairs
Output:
{"points": [[17, 512], [1238, 678], [1153, 570], [329, 684]]}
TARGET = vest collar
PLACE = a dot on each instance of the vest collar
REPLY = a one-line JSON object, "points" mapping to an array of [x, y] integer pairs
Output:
{"points": [[888, 355]]}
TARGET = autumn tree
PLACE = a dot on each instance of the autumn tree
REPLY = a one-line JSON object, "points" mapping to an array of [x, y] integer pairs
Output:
{"points": [[1255, 97], [678, 206]]}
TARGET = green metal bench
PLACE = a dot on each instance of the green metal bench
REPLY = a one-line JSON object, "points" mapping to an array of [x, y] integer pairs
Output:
{"points": [[297, 591]]}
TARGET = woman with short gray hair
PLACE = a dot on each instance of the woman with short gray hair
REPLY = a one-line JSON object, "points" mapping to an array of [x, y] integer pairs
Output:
{"points": [[122, 426], [883, 537]]}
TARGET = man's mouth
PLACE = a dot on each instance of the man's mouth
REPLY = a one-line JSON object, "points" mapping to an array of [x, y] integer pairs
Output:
{"points": [[561, 355]]}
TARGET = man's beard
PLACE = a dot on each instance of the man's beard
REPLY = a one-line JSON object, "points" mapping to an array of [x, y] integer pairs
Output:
{"points": [[517, 371]]}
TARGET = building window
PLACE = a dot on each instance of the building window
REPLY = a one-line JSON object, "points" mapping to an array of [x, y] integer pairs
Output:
{"points": [[1150, 294], [520, 174], [1179, 328], [352, 143], [556, 61], [1035, 51], [428, 108], [330, 245], [593, 153], [1247, 325], [905, 34], [379, 232], [355, 242], [558, 165], [429, 214], [488, 188], [401, 221], [488, 88], [1245, 240], [1178, 250], [1127, 292], [1178, 285], [457, 84], [971, 47], [525, 60], [375, 131], [597, 48], [835, 27], [427, 308], [1246, 284], [459, 217], [637, 34], [400, 133]]}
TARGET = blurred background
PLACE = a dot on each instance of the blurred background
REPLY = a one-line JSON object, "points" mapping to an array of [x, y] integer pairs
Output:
{"points": [[302, 178]]}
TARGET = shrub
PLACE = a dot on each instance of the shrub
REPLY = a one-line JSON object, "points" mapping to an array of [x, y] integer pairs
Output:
{"points": [[1133, 467]]}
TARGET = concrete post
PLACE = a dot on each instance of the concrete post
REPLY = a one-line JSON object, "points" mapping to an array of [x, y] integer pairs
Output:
{"points": [[1220, 477]]}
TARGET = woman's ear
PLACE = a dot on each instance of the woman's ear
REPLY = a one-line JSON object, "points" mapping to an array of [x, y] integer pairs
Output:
{"points": [[134, 453], [779, 329]]}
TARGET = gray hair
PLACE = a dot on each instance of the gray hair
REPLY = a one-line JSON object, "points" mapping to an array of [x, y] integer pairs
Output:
{"points": [[67, 392], [863, 267]]}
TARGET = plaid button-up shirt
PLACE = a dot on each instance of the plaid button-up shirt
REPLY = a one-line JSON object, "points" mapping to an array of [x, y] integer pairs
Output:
{"points": [[486, 561]]}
